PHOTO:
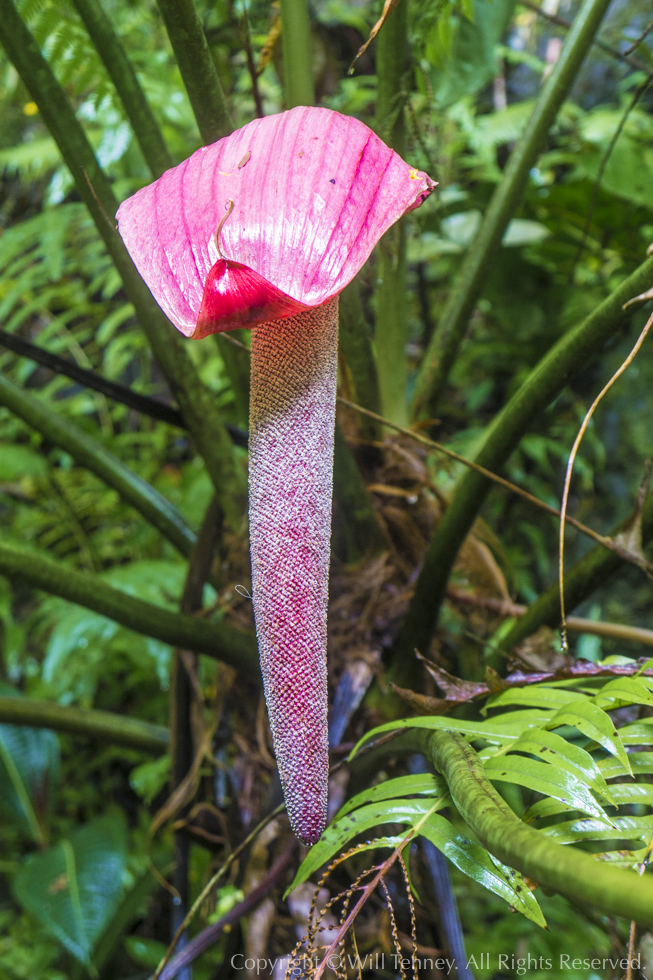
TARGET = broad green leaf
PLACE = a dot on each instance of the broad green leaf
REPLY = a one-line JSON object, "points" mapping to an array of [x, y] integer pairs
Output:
{"points": [[559, 752], [622, 859], [629, 793], [641, 763], [628, 690], [589, 719], [339, 833], [503, 729], [423, 784], [145, 952], [82, 644], [626, 171], [462, 49], [535, 696], [543, 778], [474, 861], [18, 461], [522, 231], [149, 778], [129, 910], [638, 733], [73, 889], [29, 772], [546, 808], [627, 828]]}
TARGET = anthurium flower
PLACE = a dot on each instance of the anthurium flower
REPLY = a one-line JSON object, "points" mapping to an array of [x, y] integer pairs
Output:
{"points": [[263, 229]]}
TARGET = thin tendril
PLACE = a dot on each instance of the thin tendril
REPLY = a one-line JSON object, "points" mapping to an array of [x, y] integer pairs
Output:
{"points": [[570, 467]]}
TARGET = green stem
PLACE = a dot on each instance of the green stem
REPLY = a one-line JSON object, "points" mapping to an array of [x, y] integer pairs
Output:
{"points": [[356, 347], [356, 522], [390, 298], [234, 647], [197, 404], [448, 335], [122, 74], [297, 44], [572, 352], [89, 454], [183, 700], [236, 363], [197, 68], [101, 725], [581, 580], [564, 870]]}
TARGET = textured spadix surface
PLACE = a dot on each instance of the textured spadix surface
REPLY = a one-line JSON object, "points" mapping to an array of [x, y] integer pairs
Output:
{"points": [[312, 193], [292, 410]]}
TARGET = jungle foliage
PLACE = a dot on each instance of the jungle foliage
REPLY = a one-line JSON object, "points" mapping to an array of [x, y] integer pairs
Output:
{"points": [[136, 775]]}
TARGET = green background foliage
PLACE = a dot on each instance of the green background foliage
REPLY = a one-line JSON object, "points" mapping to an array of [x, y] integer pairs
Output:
{"points": [[540, 140]]}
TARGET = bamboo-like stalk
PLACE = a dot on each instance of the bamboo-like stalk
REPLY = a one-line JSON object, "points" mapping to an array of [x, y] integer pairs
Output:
{"points": [[569, 355], [356, 347], [122, 74], [297, 45], [236, 362], [234, 647], [197, 68], [87, 452], [182, 700], [148, 133], [471, 277], [358, 525], [123, 394], [390, 298], [564, 870], [101, 725], [196, 403]]}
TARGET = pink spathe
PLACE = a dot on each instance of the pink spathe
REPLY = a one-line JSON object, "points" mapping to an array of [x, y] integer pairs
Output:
{"points": [[313, 192], [306, 195]]}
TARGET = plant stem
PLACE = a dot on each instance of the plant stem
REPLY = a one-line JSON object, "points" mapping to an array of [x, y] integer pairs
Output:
{"points": [[297, 44], [236, 362], [469, 282], [122, 74], [234, 647], [390, 298], [89, 454], [356, 347], [564, 870], [581, 580], [181, 706], [197, 68], [197, 404], [571, 353], [358, 524], [152, 407], [101, 725]]}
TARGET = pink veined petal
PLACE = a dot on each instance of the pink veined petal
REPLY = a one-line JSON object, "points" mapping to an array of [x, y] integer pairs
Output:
{"points": [[313, 191]]}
